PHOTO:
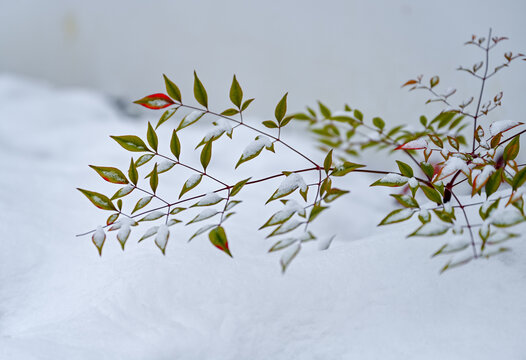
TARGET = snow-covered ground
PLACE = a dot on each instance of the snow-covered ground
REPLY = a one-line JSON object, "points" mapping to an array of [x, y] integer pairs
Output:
{"points": [[373, 295]]}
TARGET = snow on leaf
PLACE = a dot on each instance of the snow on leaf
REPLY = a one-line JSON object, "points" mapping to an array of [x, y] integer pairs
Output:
{"points": [[98, 238], [191, 183], [289, 185], [286, 227], [202, 230], [289, 255], [324, 243], [205, 214], [413, 183], [150, 232], [481, 178], [123, 234], [162, 237], [506, 217], [391, 180], [417, 144], [282, 244], [254, 149], [452, 165], [153, 216], [190, 119], [431, 229], [397, 215], [209, 199], [291, 207], [164, 166], [218, 130], [502, 126]]}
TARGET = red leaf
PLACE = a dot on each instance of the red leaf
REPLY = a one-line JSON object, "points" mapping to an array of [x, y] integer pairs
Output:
{"points": [[155, 101], [410, 82]]}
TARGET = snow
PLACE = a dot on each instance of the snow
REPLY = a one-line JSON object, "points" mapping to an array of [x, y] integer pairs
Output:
{"points": [[192, 180], [191, 118], [60, 300], [413, 182], [392, 178], [162, 236], [502, 126]]}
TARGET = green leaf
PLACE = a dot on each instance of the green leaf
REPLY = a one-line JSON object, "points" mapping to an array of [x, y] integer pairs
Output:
{"points": [[200, 92], [333, 194], [143, 159], [218, 238], [131, 143], [431, 194], [175, 145], [316, 210], [236, 94], [512, 149], [379, 123], [238, 186], [428, 169], [99, 200], [152, 137], [230, 112], [405, 169], [324, 110], [519, 179], [132, 172], [246, 104], [391, 180], [172, 89], [493, 182], [396, 216], [327, 163], [286, 120], [201, 230], [191, 183], [345, 168], [166, 115], [154, 179], [206, 154], [282, 244], [281, 108], [110, 174], [358, 115], [270, 124]]}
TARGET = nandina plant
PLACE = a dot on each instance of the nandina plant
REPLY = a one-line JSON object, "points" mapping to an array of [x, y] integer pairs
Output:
{"points": [[455, 148]]}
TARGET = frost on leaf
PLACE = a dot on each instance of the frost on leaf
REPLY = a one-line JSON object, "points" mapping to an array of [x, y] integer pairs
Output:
{"points": [[452, 165], [162, 237], [502, 126], [255, 148], [289, 185], [98, 238], [417, 144]]}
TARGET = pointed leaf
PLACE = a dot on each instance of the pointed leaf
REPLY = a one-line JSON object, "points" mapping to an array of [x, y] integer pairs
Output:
{"points": [[218, 238], [110, 174], [131, 143], [172, 89], [206, 154], [152, 137], [200, 92], [99, 200], [281, 108], [236, 94]]}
